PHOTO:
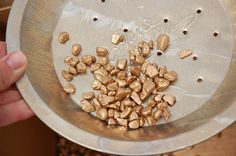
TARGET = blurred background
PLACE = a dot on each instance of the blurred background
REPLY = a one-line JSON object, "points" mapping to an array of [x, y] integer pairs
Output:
{"points": [[34, 138]]}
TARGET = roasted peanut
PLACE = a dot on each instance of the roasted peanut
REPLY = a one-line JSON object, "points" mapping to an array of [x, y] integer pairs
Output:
{"points": [[72, 70], [170, 99], [135, 71], [88, 95], [148, 88], [116, 114], [98, 77], [66, 75], [106, 80], [113, 86], [122, 75], [151, 121], [141, 121], [105, 99], [111, 113], [122, 122], [133, 116], [109, 67], [103, 90], [87, 106], [63, 37], [88, 59], [138, 109], [163, 42], [111, 122], [162, 105], [140, 60], [130, 79], [136, 86], [136, 98], [96, 104], [146, 111], [145, 49], [135, 51], [101, 51], [151, 44], [76, 49], [122, 93], [103, 61], [94, 67], [166, 114], [96, 85], [162, 71], [161, 83], [114, 72], [158, 98], [121, 64], [157, 114], [152, 103], [127, 102], [121, 83], [102, 114], [144, 67], [72, 61], [101, 71], [69, 88], [126, 112], [171, 76], [111, 93], [81, 68], [134, 124], [151, 71], [132, 58]]}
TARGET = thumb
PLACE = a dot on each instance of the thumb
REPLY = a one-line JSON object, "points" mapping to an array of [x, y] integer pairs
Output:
{"points": [[12, 66]]}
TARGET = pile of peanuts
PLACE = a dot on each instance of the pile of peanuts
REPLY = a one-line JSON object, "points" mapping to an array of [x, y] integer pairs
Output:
{"points": [[123, 88]]}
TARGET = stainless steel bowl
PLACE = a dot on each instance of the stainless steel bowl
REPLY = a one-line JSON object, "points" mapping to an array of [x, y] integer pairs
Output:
{"points": [[203, 108]]}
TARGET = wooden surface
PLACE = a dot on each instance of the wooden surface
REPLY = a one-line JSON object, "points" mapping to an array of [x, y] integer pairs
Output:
{"points": [[33, 138]]}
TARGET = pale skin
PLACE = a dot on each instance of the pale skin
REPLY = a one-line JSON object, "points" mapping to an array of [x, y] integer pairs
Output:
{"points": [[13, 108]]}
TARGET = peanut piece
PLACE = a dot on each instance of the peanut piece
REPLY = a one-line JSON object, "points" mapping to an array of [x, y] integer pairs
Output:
{"points": [[117, 38], [170, 99], [185, 53]]}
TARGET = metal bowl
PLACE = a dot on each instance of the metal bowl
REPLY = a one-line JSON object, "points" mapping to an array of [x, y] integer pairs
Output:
{"points": [[203, 108]]}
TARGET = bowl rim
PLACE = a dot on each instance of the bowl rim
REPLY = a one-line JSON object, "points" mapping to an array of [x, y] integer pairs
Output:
{"points": [[93, 141]]}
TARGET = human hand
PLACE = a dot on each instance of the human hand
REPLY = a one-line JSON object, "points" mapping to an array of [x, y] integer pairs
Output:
{"points": [[12, 107]]}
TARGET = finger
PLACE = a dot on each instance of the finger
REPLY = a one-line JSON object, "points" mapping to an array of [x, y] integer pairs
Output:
{"points": [[14, 112], [12, 66], [2, 49], [9, 96]]}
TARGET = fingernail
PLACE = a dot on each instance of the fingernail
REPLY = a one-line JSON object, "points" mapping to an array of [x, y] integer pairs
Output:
{"points": [[16, 60]]}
